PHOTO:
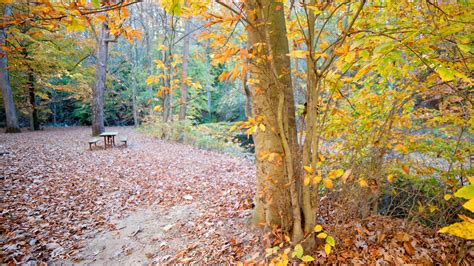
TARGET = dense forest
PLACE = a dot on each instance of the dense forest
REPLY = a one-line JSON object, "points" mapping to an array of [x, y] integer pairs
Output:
{"points": [[342, 116]]}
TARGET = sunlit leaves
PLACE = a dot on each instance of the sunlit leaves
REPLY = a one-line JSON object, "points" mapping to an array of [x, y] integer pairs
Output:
{"points": [[390, 178], [298, 251], [328, 183], [462, 229], [322, 235], [445, 74], [466, 192], [298, 54], [318, 228], [335, 173]]}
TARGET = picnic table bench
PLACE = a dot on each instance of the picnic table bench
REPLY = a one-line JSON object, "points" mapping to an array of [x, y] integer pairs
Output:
{"points": [[124, 140], [93, 141]]}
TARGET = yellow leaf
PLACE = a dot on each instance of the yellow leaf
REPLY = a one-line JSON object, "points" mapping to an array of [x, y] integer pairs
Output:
{"points": [[447, 197], [323, 45], [321, 157], [317, 179], [335, 173], [308, 169], [298, 54], [469, 205], [307, 179], [315, 9], [390, 179], [445, 74], [363, 182], [157, 108], [344, 49], [152, 79], [318, 228], [307, 258], [262, 127], [328, 183], [322, 235], [401, 147], [162, 47], [350, 57], [327, 248], [463, 229]]}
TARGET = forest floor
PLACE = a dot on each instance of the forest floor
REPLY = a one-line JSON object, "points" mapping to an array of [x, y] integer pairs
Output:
{"points": [[158, 202]]}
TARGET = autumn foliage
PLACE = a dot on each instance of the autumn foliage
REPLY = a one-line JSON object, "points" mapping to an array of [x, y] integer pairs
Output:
{"points": [[360, 112]]}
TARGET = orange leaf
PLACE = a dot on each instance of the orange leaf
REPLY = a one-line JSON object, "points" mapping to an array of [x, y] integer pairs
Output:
{"points": [[328, 183]]}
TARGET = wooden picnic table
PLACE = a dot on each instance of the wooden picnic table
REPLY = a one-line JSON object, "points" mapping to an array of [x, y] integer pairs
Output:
{"points": [[109, 138]]}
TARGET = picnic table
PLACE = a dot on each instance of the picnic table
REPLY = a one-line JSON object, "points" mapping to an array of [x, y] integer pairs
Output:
{"points": [[109, 138]]}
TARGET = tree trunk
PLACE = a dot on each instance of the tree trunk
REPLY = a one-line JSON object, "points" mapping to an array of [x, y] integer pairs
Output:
{"points": [[134, 104], [278, 161], [34, 122], [184, 73], [209, 103], [248, 98], [100, 77], [7, 95]]}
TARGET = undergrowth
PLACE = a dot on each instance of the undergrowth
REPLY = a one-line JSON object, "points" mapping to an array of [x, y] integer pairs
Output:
{"points": [[211, 136]]}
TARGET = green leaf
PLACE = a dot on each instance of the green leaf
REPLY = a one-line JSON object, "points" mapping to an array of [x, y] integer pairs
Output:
{"points": [[96, 3], [466, 48], [307, 258], [330, 241], [298, 252], [466, 192]]}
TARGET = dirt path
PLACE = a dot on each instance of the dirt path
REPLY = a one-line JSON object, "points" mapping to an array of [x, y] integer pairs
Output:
{"points": [[151, 202]]}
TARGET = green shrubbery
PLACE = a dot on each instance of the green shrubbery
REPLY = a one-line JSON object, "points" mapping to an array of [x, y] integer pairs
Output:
{"points": [[212, 136]]}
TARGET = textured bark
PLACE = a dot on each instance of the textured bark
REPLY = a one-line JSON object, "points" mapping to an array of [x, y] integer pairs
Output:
{"points": [[100, 77], [277, 200], [7, 95], [184, 73], [34, 121], [248, 98], [308, 202]]}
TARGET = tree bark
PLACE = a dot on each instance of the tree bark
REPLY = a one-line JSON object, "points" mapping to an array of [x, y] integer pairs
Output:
{"points": [[248, 98], [34, 121], [7, 95], [278, 173], [134, 104], [184, 72], [100, 78]]}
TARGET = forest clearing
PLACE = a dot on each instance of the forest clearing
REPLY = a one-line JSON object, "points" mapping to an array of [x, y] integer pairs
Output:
{"points": [[157, 203], [268, 132]]}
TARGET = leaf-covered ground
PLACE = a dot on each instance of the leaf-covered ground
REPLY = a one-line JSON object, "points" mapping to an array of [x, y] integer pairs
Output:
{"points": [[158, 202]]}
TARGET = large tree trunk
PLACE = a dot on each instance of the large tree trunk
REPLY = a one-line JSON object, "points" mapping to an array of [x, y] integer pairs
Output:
{"points": [[278, 161], [184, 72], [7, 95], [100, 77], [34, 120]]}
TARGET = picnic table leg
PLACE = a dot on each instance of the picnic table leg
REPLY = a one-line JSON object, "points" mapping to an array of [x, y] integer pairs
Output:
{"points": [[113, 141], [105, 142]]}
